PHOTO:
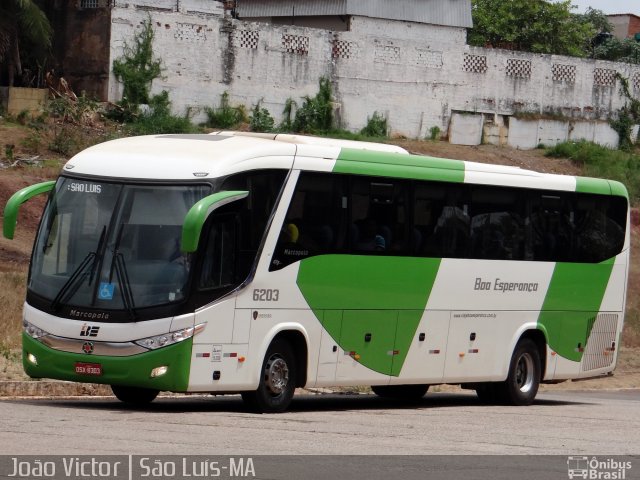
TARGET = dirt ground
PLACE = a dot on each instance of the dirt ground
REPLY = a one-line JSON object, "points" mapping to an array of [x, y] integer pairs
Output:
{"points": [[14, 255]]}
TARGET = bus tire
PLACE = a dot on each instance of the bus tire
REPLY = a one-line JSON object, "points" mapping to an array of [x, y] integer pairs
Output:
{"points": [[134, 395], [277, 381], [523, 380], [403, 392]]}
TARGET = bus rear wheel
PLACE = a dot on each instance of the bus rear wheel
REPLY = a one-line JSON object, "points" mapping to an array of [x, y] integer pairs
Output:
{"points": [[404, 392], [521, 386], [134, 395], [277, 382]]}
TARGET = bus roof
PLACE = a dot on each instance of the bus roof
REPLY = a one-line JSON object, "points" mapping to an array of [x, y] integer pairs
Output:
{"points": [[192, 156]]}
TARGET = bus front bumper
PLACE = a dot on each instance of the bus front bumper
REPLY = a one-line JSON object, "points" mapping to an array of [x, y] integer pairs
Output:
{"points": [[41, 361]]}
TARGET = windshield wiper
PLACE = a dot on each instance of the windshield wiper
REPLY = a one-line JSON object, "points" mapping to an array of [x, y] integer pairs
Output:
{"points": [[117, 264], [79, 275]]}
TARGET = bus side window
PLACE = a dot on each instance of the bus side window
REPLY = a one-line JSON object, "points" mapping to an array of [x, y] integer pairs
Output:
{"points": [[599, 227], [218, 269], [441, 220], [549, 228], [378, 218], [314, 221], [496, 225]]}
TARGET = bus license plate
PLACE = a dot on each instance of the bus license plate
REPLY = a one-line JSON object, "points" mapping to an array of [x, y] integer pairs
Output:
{"points": [[88, 369]]}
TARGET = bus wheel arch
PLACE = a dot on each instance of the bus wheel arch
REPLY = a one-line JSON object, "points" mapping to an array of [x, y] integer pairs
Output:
{"points": [[298, 343], [283, 368], [523, 379], [526, 370], [538, 337]]}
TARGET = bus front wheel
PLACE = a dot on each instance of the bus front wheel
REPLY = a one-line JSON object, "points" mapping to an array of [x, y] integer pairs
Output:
{"points": [[277, 381], [134, 395]]}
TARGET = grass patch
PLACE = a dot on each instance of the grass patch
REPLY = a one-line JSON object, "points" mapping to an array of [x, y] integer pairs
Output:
{"points": [[12, 294], [376, 126], [601, 162], [225, 116]]}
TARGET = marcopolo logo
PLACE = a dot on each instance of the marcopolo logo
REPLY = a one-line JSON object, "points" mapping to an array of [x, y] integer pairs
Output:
{"points": [[597, 469]]}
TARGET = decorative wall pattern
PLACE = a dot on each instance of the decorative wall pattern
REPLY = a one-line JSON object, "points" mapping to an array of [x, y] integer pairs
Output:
{"points": [[297, 44], [428, 58], [563, 73], [518, 68], [387, 54], [475, 63], [246, 39], [344, 49], [190, 32], [604, 77]]}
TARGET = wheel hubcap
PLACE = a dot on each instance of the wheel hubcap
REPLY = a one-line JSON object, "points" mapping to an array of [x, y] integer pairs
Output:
{"points": [[276, 375], [524, 373]]}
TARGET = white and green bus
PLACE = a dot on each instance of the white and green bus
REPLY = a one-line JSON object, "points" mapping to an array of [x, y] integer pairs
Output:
{"points": [[255, 264]]}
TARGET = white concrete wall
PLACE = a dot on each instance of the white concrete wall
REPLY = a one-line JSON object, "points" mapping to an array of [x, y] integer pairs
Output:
{"points": [[466, 129], [528, 134], [416, 75]]}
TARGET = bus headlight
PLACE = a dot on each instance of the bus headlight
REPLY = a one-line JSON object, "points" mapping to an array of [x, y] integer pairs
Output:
{"points": [[32, 330], [166, 339], [32, 359]]}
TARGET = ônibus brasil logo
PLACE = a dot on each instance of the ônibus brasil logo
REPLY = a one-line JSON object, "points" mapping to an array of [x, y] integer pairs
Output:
{"points": [[594, 468]]}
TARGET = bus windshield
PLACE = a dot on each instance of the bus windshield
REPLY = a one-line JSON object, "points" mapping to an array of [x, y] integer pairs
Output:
{"points": [[113, 246]]}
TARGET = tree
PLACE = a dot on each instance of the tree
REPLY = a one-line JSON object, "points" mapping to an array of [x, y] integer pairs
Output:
{"points": [[537, 26], [137, 67], [21, 21], [616, 50]]}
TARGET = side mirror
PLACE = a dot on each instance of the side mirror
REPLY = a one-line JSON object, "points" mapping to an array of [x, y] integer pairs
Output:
{"points": [[198, 214], [12, 207]]}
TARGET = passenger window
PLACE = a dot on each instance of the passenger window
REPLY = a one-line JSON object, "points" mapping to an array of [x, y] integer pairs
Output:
{"points": [[549, 225], [378, 219], [599, 228], [497, 229], [314, 221], [442, 222]]}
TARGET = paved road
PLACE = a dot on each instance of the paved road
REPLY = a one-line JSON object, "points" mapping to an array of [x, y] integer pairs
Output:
{"points": [[564, 423]]}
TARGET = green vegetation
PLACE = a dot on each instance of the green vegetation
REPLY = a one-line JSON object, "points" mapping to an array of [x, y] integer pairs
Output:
{"points": [[287, 112], [261, 120], [225, 116], [434, 133], [376, 126], [158, 119], [535, 26], [628, 116], [598, 161], [137, 68], [616, 50], [25, 37], [316, 113]]}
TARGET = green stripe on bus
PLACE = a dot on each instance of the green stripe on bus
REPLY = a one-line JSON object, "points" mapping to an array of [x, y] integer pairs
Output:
{"points": [[572, 303], [397, 165], [593, 185], [618, 189], [372, 305], [132, 371]]}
